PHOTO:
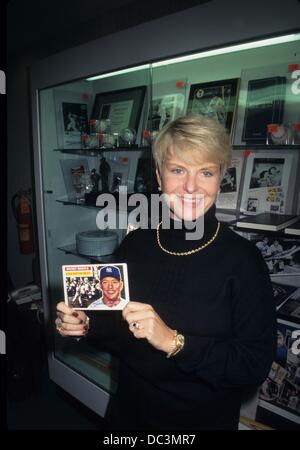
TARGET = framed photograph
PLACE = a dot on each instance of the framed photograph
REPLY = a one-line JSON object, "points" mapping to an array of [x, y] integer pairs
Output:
{"points": [[280, 392], [168, 100], [96, 286], [264, 105], [230, 185], [72, 117], [282, 255], [216, 99], [268, 182], [122, 107]]}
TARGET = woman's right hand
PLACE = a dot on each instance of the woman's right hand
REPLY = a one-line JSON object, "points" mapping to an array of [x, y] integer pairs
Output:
{"points": [[70, 322]]}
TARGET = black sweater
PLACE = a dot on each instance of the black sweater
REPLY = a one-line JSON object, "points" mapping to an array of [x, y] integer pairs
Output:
{"points": [[221, 299]]}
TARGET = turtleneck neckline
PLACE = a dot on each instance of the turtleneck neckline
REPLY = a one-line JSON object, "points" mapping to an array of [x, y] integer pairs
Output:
{"points": [[174, 239]]}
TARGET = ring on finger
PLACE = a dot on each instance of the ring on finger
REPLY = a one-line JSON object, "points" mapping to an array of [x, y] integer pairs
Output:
{"points": [[59, 324], [136, 325]]}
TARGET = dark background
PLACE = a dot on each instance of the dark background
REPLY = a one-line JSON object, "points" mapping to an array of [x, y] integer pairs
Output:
{"points": [[35, 30]]}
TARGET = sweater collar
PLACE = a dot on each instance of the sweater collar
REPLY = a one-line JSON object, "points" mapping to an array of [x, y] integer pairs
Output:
{"points": [[176, 239]]}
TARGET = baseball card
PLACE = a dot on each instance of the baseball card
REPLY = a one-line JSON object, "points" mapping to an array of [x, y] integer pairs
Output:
{"points": [[96, 286]]}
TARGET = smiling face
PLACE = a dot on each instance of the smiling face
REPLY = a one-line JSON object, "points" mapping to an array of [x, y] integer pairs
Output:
{"points": [[191, 185], [111, 288]]}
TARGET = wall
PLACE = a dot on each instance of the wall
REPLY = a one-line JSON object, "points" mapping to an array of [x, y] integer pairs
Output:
{"points": [[19, 160]]}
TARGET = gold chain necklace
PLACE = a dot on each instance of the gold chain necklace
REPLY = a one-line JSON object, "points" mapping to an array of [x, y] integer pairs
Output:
{"points": [[195, 250]]}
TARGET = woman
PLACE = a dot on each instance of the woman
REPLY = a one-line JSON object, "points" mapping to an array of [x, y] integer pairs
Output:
{"points": [[215, 291]]}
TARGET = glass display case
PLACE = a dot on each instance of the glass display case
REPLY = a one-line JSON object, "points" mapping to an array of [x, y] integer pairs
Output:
{"points": [[93, 135]]}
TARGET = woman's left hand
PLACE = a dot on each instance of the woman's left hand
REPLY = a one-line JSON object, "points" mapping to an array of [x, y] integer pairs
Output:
{"points": [[145, 323]]}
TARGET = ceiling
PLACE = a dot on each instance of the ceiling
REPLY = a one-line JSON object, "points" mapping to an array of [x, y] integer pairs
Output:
{"points": [[36, 26]]}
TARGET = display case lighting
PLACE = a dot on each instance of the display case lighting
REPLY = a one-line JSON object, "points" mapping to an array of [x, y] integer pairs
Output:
{"points": [[118, 72], [230, 49], [218, 51]]}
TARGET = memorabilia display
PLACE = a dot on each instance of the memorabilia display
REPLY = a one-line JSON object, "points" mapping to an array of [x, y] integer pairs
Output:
{"points": [[72, 114], [278, 134], [230, 185], [267, 181], [73, 170], [282, 255], [96, 286], [127, 137], [216, 99], [264, 105], [168, 100], [119, 171], [122, 107], [281, 389]]}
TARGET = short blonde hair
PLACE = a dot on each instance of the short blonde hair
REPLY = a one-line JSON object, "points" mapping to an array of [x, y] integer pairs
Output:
{"points": [[199, 135]]}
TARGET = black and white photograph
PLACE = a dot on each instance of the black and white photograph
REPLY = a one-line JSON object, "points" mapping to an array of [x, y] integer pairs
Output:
{"points": [[75, 117], [165, 109], [282, 386], [281, 255], [269, 179], [72, 117], [96, 286], [216, 99], [230, 185], [252, 204], [168, 99], [266, 172]]}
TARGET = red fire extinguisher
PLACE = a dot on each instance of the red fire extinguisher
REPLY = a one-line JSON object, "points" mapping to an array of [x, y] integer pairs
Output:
{"points": [[23, 215]]}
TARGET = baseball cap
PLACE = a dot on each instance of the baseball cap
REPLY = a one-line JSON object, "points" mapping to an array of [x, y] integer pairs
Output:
{"points": [[110, 271]]}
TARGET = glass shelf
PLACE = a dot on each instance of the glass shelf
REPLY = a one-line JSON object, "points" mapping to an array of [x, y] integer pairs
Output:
{"points": [[74, 203], [71, 249], [277, 234], [265, 147], [90, 205], [98, 151]]}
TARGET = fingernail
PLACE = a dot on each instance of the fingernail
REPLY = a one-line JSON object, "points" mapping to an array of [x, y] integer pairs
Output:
{"points": [[75, 314]]}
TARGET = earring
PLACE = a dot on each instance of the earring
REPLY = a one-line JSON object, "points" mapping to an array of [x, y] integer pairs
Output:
{"points": [[159, 188]]}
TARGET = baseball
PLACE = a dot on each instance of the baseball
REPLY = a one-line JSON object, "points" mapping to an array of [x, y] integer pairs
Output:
{"points": [[280, 136]]}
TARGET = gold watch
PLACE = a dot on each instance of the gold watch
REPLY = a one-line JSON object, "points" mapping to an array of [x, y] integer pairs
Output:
{"points": [[178, 344]]}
